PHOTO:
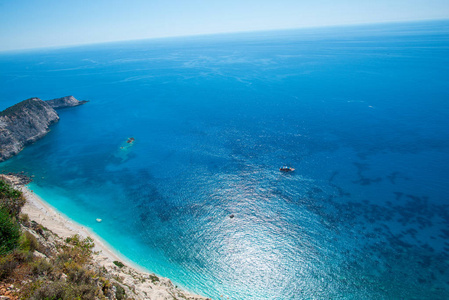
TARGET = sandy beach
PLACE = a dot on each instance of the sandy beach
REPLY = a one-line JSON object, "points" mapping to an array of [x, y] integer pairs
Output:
{"points": [[132, 275], [41, 212]]}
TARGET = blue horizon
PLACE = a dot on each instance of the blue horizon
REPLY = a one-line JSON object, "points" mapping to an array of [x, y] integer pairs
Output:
{"points": [[222, 34]]}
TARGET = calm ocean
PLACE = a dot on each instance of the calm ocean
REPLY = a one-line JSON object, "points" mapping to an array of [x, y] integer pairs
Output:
{"points": [[362, 113]]}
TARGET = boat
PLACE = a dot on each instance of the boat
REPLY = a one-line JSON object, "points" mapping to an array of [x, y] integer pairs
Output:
{"points": [[286, 169], [130, 140]]}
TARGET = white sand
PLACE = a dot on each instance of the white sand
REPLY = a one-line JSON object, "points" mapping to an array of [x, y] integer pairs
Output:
{"points": [[41, 212]]}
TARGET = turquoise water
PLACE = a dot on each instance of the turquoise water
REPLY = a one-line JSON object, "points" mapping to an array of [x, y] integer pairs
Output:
{"points": [[360, 112]]}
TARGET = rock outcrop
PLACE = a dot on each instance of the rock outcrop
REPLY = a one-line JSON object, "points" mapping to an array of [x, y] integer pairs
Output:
{"points": [[28, 121], [67, 101], [23, 124]]}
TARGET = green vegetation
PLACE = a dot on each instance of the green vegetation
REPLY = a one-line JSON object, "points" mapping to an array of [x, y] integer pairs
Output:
{"points": [[154, 278], [67, 275], [9, 232], [11, 202], [7, 191], [118, 264], [24, 218], [8, 263], [11, 199], [120, 293], [28, 242], [19, 107]]}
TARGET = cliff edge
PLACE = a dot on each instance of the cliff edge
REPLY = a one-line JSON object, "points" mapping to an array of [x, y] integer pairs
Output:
{"points": [[23, 124]]}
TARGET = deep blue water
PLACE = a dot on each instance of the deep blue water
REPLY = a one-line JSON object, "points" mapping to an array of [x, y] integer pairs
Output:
{"points": [[362, 113]]}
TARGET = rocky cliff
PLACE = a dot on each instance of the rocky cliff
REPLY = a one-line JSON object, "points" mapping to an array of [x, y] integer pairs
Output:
{"points": [[23, 124], [67, 101], [28, 121]]}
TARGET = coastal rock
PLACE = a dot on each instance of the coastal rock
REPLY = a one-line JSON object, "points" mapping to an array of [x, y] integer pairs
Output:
{"points": [[67, 101], [23, 124]]}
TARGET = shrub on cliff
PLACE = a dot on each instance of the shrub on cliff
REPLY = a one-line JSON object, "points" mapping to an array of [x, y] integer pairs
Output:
{"points": [[28, 242], [9, 232], [77, 250], [7, 191], [62, 290], [41, 267], [120, 293], [7, 265], [118, 263], [11, 199]]}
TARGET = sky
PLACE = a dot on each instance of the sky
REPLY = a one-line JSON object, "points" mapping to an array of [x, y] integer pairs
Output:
{"points": [[28, 24]]}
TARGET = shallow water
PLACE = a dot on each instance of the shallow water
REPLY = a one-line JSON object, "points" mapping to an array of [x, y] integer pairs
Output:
{"points": [[360, 112]]}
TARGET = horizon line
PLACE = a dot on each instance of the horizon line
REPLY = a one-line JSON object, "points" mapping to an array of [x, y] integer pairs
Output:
{"points": [[60, 47]]}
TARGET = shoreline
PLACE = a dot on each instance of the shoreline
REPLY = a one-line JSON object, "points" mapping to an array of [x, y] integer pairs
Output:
{"points": [[43, 213], [48, 216]]}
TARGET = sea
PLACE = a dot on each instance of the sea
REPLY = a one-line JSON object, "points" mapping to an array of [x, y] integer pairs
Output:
{"points": [[360, 112]]}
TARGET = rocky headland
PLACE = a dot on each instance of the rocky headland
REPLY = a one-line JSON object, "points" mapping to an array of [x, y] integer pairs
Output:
{"points": [[27, 121], [67, 101]]}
